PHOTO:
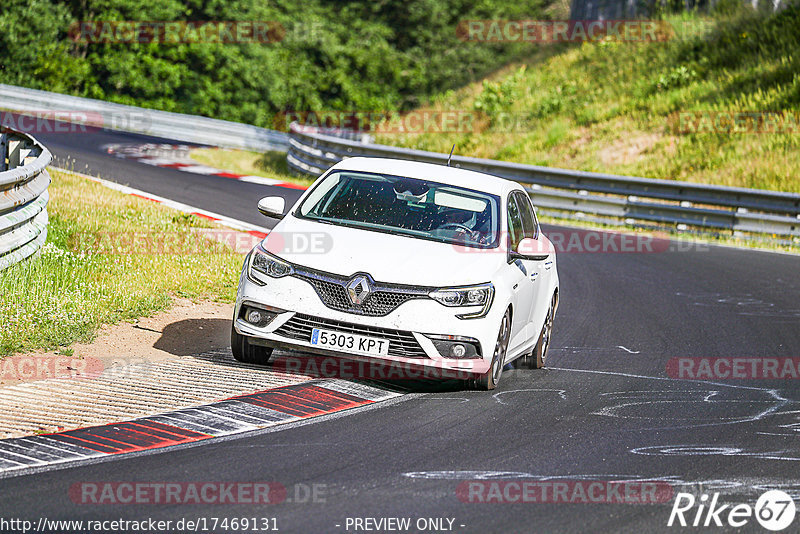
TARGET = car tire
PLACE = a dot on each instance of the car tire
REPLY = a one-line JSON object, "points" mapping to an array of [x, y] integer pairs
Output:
{"points": [[538, 357], [246, 352], [491, 378]]}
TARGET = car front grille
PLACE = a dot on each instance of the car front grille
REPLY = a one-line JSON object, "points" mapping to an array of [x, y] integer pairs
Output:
{"points": [[383, 299], [401, 343]]}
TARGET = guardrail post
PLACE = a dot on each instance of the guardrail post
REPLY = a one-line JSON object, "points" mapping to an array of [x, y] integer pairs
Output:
{"points": [[3, 151], [26, 151], [13, 153]]}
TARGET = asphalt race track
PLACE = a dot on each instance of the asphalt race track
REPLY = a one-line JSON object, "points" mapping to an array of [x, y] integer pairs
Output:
{"points": [[605, 410], [85, 153]]}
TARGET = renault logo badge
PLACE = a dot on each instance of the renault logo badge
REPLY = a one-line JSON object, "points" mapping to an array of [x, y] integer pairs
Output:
{"points": [[358, 289]]}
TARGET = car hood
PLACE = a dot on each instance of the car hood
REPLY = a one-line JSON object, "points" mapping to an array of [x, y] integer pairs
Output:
{"points": [[386, 257]]}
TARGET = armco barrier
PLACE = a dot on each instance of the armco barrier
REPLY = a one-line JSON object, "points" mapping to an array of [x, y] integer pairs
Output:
{"points": [[568, 193], [558, 192], [23, 196], [177, 126]]}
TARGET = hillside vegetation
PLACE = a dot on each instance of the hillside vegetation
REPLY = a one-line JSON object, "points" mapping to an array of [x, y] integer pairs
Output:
{"points": [[617, 107], [344, 55], [627, 108]]}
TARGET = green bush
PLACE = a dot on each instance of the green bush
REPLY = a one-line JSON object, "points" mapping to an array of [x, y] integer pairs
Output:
{"points": [[343, 55]]}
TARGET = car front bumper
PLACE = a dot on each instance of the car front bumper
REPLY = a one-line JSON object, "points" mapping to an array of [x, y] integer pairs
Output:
{"points": [[410, 326]]}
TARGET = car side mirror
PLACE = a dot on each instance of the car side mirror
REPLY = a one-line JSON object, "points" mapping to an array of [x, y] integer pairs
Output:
{"points": [[272, 207], [530, 249]]}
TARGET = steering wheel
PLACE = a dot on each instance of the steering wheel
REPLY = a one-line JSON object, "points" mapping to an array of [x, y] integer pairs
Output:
{"points": [[457, 226]]}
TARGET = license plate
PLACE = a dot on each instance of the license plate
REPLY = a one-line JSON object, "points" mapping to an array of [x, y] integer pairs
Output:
{"points": [[349, 342]]}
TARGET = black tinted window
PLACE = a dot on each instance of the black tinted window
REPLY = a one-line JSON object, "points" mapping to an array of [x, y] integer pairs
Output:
{"points": [[527, 215], [516, 230]]}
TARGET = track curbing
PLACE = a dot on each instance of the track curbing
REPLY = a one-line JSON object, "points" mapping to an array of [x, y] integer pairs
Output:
{"points": [[237, 415]]}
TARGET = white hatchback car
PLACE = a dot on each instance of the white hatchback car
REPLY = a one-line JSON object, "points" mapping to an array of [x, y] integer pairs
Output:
{"points": [[415, 263]]}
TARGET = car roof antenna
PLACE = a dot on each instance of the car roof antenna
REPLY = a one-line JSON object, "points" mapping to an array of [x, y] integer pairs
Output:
{"points": [[451, 155]]}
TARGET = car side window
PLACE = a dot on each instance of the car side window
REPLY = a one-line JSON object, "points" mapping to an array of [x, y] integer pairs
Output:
{"points": [[529, 222], [516, 230]]}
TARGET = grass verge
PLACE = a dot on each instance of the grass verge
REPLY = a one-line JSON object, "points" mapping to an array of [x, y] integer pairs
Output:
{"points": [[109, 257], [617, 108], [269, 165]]}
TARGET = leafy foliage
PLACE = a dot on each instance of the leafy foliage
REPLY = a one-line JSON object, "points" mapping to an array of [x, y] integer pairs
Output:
{"points": [[340, 55]]}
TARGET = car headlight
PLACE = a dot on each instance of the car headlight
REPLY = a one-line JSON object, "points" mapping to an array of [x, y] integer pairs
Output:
{"points": [[264, 263], [480, 295]]}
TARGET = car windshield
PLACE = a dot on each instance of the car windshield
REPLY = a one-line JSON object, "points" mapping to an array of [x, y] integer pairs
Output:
{"points": [[407, 206]]}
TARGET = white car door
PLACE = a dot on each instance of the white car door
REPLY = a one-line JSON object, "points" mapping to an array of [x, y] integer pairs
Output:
{"points": [[540, 270], [525, 273]]}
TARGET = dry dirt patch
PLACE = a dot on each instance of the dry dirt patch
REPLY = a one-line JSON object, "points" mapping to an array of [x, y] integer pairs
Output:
{"points": [[627, 150], [176, 359], [186, 328]]}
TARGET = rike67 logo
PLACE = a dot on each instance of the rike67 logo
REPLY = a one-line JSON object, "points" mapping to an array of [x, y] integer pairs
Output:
{"points": [[774, 510]]}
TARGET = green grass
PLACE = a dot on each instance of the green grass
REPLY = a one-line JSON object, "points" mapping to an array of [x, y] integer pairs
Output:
{"points": [[67, 292], [612, 107], [269, 165]]}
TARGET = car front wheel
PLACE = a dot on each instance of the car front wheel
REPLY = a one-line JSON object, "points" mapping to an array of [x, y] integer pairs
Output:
{"points": [[490, 379], [246, 352], [537, 357]]}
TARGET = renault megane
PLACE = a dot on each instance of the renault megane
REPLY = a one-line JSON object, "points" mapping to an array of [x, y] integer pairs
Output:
{"points": [[423, 264]]}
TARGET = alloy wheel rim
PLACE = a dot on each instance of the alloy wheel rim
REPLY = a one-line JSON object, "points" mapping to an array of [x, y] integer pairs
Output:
{"points": [[548, 326], [499, 350]]}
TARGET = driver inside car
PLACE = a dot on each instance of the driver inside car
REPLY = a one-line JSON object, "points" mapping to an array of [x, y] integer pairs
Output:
{"points": [[461, 221]]}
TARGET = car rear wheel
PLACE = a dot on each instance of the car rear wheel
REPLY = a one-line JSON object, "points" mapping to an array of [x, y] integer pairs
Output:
{"points": [[539, 355], [246, 352], [490, 379]]}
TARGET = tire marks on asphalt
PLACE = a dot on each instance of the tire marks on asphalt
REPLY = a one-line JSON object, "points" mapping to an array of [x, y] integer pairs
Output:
{"points": [[177, 157]]}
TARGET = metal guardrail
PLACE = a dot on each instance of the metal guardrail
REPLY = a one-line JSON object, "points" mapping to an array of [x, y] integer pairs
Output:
{"points": [[558, 192], [578, 194], [23, 196], [178, 126]]}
